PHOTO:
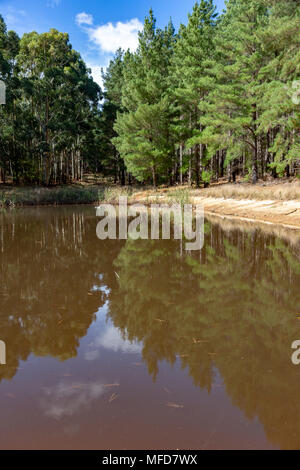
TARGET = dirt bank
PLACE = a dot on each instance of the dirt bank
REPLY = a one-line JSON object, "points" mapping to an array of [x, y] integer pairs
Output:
{"points": [[272, 203], [275, 212], [286, 213]]}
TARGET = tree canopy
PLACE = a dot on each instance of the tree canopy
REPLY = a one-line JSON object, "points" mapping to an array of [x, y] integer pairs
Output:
{"points": [[219, 97]]}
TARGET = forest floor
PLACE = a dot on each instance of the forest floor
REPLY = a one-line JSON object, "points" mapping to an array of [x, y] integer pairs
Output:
{"points": [[271, 202]]}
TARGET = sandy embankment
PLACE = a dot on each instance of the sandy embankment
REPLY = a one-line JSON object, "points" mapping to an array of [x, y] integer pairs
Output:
{"points": [[277, 212], [285, 213]]}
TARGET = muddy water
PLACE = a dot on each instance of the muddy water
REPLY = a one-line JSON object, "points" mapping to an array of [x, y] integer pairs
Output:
{"points": [[127, 345]]}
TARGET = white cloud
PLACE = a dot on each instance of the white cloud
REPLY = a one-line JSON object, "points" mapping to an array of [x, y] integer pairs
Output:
{"points": [[96, 73], [84, 18], [68, 399], [107, 39], [111, 339], [110, 37]]}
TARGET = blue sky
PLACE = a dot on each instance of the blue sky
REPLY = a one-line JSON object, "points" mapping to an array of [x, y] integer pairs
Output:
{"points": [[96, 27]]}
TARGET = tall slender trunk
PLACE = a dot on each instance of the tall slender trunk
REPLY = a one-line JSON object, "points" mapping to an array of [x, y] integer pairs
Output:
{"points": [[154, 176], [222, 163], [260, 156], [190, 167], [45, 160], [180, 163], [254, 150], [197, 164]]}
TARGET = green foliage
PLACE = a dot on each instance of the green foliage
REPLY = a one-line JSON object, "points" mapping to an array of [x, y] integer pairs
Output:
{"points": [[144, 138], [51, 196], [190, 81], [222, 94], [51, 108]]}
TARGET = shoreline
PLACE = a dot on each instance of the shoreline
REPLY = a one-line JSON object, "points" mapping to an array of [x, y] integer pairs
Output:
{"points": [[251, 221], [285, 213], [267, 210]]}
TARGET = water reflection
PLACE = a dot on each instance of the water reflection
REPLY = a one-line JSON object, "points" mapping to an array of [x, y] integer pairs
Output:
{"points": [[67, 399], [227, 314], [47, 278]]}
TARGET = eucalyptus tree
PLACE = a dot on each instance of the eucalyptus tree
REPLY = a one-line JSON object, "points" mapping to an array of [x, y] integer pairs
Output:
{"points": [[63, 96], [12, 116]]}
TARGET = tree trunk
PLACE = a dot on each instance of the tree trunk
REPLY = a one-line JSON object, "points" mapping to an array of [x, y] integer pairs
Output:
{"points": [[254, 150], [154, 176], [197, 165], [180, 162], [190, 168], [261, 157]]}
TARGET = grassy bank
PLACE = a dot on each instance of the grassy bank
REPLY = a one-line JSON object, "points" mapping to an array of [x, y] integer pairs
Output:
{"points": [[93, 194], [10, 197], [288, 190], [281, 191], [73, 194]]}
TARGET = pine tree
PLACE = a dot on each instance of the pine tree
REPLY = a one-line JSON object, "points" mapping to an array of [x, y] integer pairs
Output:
{"points": [[233, 106], [280, 87], [144, 138], [111, 162], [224, 93], [190, 82]]}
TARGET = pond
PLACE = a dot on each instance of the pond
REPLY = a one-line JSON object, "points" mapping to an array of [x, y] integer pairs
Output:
{"points": [[139, 344]]}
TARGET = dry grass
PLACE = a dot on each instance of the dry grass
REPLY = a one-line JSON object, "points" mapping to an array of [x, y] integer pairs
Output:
{"points": [[87, 194], [289, 191], [180, 196], [112, 194]]}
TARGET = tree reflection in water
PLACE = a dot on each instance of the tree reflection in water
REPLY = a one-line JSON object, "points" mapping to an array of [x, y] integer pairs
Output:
{"points": [[232, 307]]}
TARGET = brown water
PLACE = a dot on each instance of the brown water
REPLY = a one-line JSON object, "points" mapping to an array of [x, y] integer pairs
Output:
{"points": [[127, 345]]}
